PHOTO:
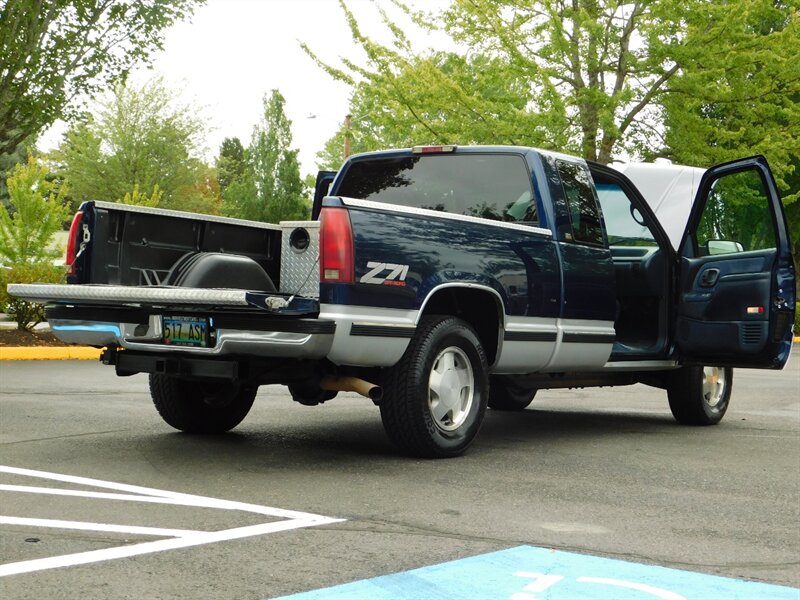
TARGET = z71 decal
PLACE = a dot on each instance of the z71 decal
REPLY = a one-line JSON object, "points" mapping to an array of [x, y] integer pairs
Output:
{"points": [[385, 274]]}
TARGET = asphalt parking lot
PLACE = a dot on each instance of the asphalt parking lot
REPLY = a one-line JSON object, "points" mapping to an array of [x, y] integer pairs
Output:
{"points": [[100, 499]]}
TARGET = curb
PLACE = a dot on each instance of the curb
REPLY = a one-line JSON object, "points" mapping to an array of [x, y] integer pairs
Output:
{"points": [[49, 353]]}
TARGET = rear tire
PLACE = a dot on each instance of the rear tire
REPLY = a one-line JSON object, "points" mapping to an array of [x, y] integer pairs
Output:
{"points": [[201, 406], [435, 397], [506, 394], [699, 395]]}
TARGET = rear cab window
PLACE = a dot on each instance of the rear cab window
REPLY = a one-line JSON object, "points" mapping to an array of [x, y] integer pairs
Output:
{"points": [[490, 186]]}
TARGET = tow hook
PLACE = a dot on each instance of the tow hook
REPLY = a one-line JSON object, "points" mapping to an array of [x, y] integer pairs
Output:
{"points": [[108, 355]]}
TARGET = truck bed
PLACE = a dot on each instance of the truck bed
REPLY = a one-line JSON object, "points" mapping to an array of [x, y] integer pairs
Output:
{"points": [[135, 246]]}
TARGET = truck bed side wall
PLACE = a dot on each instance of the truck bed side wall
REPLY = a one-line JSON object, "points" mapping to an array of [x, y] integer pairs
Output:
{"points": [[131, 248]]}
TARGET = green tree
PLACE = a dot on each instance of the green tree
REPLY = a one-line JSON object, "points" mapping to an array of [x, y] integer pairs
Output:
{"points": [[10, 160], [54, 51], [743, 98], [745, 95], [270, 190], [439, 98], [591, 77], [231, 162], [139, 137], [583, 76], [36, 211]]}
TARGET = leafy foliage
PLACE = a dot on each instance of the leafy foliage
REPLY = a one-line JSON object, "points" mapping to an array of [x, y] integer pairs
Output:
{"points": [[139, 138], [18, 155], [52, 52], [743, 96], [231, 162], [35, 213], [468, 100], [581, 75], [270, 188], [27, 314], [137, 198]]}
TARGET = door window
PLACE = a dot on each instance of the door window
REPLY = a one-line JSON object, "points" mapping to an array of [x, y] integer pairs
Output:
{"points": [[583, 212], [736, 217], [625, 224]]}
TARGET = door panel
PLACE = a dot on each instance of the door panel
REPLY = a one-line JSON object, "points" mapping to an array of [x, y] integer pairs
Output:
{"points": [[725, 304], [736, 282]]}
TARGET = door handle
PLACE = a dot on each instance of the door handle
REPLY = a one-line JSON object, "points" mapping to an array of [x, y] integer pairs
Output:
{"points": [[709, 277]]}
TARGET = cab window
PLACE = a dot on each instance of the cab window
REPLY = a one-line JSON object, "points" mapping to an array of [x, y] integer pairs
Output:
{"points": [[491, 186], [583, 211]]}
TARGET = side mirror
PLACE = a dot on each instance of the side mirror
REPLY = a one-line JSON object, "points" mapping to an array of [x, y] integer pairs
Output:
{"points": [[722, 247]]}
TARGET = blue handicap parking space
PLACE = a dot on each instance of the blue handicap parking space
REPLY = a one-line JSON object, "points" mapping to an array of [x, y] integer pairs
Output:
{"points": [[529, 573]]}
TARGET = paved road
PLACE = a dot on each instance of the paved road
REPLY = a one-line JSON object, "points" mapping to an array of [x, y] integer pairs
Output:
{"points": [[604, 472]]}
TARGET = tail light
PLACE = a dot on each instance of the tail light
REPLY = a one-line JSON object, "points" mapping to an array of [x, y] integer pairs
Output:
{"points": [[72, 241], [336, 264]]}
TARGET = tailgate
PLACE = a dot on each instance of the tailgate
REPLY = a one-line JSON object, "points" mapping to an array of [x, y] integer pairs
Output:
{"points": [[208, 321]]}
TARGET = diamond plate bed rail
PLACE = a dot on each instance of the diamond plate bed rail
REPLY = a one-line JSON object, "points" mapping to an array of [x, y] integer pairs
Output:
{"points": [[64, 293]]}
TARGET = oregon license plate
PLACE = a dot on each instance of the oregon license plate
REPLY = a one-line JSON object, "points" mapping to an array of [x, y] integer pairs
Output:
{"points": [[185, 331]]}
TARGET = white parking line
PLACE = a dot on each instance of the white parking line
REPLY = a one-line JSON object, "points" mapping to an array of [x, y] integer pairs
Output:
{"points": [[198, 501], [176, 538], [134, 529]]}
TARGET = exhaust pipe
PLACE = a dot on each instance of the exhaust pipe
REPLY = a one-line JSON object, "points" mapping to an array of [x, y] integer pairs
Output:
{"points": [[352, 384]]}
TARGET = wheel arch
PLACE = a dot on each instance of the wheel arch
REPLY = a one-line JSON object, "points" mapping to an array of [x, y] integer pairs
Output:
{"points": [[470, 302], [219, 269]]}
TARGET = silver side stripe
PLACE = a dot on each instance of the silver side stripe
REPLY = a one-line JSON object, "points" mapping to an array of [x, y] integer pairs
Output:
{"points": [[408, 210]]}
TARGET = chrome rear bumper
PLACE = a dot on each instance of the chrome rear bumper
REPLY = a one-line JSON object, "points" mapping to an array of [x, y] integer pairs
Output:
{"points": [[296, 338]]}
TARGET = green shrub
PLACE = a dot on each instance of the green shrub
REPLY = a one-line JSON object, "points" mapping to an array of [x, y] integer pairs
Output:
{"points": [[27, 314]]}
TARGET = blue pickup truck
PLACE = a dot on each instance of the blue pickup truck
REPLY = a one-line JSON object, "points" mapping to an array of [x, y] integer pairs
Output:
{"points": [[438, 281]]}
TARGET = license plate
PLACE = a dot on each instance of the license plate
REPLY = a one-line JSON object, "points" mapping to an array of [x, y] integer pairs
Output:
{"points": [[185, 331]]}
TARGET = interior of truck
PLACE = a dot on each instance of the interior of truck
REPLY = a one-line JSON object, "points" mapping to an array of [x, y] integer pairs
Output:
{"points": [[641, 252]]}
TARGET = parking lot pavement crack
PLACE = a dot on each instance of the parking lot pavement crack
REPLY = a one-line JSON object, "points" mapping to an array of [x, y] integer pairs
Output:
{"points": [[61, 437], [398, 528], [736, 565]]}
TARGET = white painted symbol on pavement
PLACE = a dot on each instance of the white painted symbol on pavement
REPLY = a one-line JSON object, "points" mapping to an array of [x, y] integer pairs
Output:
{"points": [[175, 538], [542, 582], [632, 585]]}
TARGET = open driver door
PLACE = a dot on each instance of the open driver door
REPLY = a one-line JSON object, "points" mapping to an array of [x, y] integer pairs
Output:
{"points": [[736, 278]]}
